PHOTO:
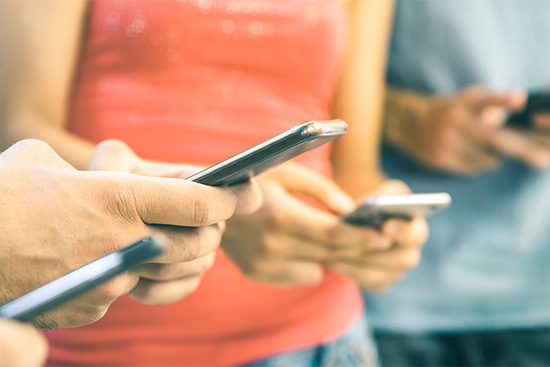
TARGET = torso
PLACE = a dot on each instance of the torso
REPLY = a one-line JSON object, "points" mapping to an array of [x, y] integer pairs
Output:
{"points": [[485, 264], [197, 81]]}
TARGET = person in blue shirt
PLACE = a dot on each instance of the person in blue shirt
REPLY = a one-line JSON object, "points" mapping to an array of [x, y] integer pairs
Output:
{"points": [[481, 295]]}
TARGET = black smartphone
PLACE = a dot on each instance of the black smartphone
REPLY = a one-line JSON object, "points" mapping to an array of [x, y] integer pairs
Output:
{"points": [[280, 148], [537, 102], [375, 210], [81, 280]]}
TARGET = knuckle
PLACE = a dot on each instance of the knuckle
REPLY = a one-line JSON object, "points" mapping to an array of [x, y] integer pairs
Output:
{"points": [[334, 236], [192, 247], [84, 317], [36, 145], [255, 268], [452, 115], [269, 245], [202, 211], [276, 218], [121, 203], [159, 271]]}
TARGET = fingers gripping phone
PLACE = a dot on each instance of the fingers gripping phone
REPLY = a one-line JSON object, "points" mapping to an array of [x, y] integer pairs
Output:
{"points": [[374, 211], [81, 280], [537, 102], [280, 148]]}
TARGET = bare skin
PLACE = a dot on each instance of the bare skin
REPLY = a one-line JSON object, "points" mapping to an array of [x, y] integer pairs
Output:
{"points": [[21, 345], [53, 30], [464, 133], [55, 219]]}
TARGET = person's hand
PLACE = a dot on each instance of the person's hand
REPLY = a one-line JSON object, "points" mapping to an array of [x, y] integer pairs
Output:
{"points": [[21, 345], [167, 281], [56, 219], [528, 145], [288, 242], [461, 133], [377, 270]]}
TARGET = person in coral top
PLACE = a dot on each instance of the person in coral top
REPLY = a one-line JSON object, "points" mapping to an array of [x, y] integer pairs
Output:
{"points": [[198, 81]]}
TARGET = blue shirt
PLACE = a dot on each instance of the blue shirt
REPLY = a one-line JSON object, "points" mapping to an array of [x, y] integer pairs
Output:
{"points": [[486, 265]]}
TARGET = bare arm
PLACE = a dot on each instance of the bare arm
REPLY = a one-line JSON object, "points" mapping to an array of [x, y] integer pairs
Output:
{"points": [[360, 96], [357, 169], [462, 133], [40, 44]]}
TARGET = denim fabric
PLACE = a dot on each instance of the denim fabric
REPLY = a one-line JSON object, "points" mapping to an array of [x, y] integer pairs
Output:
{"points": [[355, 348], [485, 265], [512, 348]]}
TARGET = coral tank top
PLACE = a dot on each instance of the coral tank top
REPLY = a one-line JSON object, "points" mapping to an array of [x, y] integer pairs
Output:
{"points": [[198, 81]]}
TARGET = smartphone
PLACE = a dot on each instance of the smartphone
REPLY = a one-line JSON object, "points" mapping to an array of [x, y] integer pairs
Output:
{"points": [[537, 102], [375, 210], [81, 280], [280, 148]]}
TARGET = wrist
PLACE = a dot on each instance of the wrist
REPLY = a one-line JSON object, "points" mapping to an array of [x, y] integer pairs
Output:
{"points": [[405, 111]]}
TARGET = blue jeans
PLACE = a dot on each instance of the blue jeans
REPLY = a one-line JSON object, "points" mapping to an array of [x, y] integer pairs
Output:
{"points": [[489, 349], [355, 348]]}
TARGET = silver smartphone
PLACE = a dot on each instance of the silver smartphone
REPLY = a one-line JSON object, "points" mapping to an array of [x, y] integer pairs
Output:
{"points": [[280, 148], [81, 280], [375, 210]]}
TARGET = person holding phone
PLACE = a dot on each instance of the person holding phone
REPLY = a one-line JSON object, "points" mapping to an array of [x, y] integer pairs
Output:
{"points": [[202, 80], [481, 297], [56, 219]]}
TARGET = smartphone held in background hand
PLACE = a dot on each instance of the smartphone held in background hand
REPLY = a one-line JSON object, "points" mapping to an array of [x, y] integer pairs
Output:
{"points": [[537, 102], [375, 210]]}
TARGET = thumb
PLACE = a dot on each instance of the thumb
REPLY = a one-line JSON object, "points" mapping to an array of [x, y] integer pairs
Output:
{"points": [[113, 155], [479, 98], [302, 180], [168, 201]]}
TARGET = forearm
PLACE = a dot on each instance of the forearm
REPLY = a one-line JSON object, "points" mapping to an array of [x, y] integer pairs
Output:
{"points": [[360, 96], [404, 111], [40, 43]]}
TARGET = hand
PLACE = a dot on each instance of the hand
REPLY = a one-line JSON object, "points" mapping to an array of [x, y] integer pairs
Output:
{"points": [[21, 345], [458, 133], [55, 219], [542, 121], [531, 146], [376, 271], [170, 280], [287, 242]]}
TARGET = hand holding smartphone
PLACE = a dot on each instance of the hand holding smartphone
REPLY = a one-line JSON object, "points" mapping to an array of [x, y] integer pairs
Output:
{"points": [[81, 280], [375, 210], [537, 102]]}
